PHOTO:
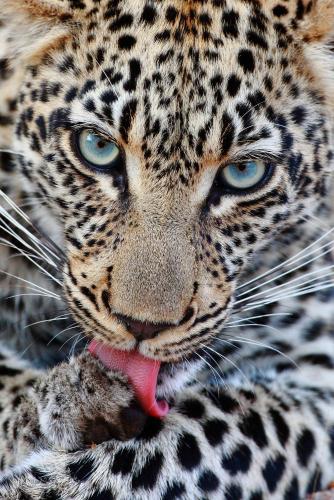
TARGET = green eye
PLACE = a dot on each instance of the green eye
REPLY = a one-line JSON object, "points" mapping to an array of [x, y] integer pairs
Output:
{"points": [[241, 176], [99, 152]]}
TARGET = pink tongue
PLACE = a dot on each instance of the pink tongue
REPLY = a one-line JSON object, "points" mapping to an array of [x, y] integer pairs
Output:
{"points": [[142, 372]]}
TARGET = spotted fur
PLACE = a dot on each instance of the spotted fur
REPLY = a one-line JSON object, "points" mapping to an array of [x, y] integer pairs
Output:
{"points": [[185, 88]]}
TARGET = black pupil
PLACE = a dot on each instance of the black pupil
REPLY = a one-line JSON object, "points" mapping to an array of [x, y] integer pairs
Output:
{"points": [[101, 144], [242, 168]]}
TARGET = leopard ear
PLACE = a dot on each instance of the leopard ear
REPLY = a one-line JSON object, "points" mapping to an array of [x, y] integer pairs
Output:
{"points": [[314, 24], [31, 26]]}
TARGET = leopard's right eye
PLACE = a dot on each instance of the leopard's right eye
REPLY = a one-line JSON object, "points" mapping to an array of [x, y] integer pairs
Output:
{"points": [[98, 152]]}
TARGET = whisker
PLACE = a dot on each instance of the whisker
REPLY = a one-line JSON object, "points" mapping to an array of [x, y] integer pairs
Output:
{"points": [[287, 261], [26, 295], [301, 292], [22, 214], [257, 317], [71, 327], [39, 247], [294, 280], [243, 340], [10, 151], [251, 324], [68, 340], [57, 318], [225, 358], [280, 276], [38, 287], [211, 368]]}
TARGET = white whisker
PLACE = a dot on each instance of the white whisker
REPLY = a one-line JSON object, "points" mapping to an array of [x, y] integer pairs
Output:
{"points": [[287, 261], [225, 358], [243, 340], [287, 283], [288, 296], [38, 287], [280, 276], [213, 370], [257, 317], [57, 318], [70, 327]]}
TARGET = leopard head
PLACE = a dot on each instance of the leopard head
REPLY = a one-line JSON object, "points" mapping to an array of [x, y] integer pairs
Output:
{"points": [[170, 141]]}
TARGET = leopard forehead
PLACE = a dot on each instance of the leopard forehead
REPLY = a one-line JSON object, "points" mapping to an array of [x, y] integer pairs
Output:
{"points": [[184, 88], [182, 84]]}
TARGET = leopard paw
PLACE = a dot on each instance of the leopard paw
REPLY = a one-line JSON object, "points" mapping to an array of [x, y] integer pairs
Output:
{"points": [[80, 404]]}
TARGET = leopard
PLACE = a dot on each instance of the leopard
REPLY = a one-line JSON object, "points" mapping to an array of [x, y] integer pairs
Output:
{"points": [[166, 195]]}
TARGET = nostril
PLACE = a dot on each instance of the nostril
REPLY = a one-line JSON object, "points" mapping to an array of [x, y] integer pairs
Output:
{"points": [[143, 330]]}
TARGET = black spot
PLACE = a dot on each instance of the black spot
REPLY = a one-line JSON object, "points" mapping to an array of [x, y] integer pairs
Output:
{"points": [[148, 15], [124, 21], [230, 20], [214, 430], [252, 427], [223, 401], [257, 40], [292, 491], [305, 446], [123, 461], [126, 42], [40, 122], [281, 427], [273, 472], [108, 96], [228, 133], [67, 64], [192, 408], [188, 452], [6, 371], [127, 116], [148, 476], [233, 492], [101, 495], [280, 11], [51, 495], [298, 115], [171, 14], [89, 105], [81, 469], [237, 461], [256, 495], [317, 359], [246, 60], [87, 87], [135, 71], [208, 481], [174, 491], [233, 85], [71, 94], [40, 475]]}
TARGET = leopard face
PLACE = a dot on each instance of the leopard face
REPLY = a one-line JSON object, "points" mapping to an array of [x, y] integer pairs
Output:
{"points": [[170, 141]]}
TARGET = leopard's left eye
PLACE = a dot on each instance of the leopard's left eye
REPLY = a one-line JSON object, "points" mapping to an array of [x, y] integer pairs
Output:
{"points": [[243, 176]]}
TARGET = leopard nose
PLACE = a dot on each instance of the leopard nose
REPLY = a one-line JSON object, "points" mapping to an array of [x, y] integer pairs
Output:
{"points": [[143, 330]]}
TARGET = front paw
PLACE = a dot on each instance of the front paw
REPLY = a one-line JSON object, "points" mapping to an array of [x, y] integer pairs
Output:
{"points": [[81, 403]]}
